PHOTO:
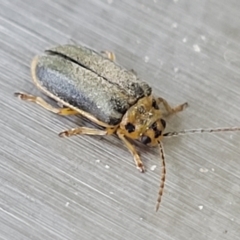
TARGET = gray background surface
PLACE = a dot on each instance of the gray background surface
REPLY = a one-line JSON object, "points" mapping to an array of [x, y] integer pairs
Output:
{"points": [[87, 187]]}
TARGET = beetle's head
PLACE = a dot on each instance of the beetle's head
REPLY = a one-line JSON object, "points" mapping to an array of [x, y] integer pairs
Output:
{"points": [[144, 121]]}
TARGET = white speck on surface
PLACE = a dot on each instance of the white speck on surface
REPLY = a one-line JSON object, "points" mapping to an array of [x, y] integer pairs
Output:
{"points": [[146, 59], [138, 41], [203, 170], [30, 198], [232, 219], [196, 48], [153, 167], [175, 1], [176, 69], [107, 167], [155, 1], [230, 203], [98, 161], [213, 169], [110, 1], [231, 136], [174, 25], [184, 40], [141, 219], [67, 204], [200, 207], [111, 193], [203, 38]]}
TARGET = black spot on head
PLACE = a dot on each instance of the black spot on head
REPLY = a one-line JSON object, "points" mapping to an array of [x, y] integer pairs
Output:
{"points": [[157, 133], [154, 104], [145, 139], [154, 126], [130, 127], [163, 122]]}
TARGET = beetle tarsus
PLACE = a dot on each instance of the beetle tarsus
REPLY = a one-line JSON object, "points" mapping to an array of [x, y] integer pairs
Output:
{"points": [[169, 109], [141, 168], [18, 94], [63, 134], [181, 107], [24, 96]]}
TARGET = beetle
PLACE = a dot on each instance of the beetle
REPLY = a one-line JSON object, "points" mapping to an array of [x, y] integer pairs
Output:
{"points": [[93, 85]]}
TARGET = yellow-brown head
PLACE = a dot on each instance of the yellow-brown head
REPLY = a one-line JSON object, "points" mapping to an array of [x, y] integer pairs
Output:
{"points": [[144, 121]]}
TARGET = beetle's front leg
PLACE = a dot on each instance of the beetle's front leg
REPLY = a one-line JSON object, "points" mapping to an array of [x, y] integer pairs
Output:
{"points": [[44, 104], [169, 109], [132, 150]]}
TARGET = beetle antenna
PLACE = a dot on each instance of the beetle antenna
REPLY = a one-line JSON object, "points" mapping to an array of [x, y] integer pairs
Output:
{"points": [[189, 131], [163, 176]]}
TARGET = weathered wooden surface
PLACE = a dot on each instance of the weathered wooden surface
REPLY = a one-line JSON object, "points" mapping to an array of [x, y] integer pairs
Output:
{"points": [[87, 187]]}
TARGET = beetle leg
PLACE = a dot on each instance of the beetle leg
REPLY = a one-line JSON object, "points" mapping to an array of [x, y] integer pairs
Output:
{"points": [[132, 150], [109, 55], [169, 109], [64, 111], [44, 104], [82, 131], [86, 131]]}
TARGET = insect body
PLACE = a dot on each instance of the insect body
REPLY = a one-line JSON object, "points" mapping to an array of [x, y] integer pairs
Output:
{"points": [[88, 83]]}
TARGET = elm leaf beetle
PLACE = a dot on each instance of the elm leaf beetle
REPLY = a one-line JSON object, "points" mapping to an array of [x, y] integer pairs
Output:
{"points": [[93, 85]]}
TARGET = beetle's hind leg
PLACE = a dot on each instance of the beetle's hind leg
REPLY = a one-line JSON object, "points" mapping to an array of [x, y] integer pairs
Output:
{"points": [[44, 104], [169, 109], [132, 150]]}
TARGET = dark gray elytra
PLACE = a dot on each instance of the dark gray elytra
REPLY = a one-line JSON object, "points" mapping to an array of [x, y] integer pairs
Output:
{"points": [[89, 81]]}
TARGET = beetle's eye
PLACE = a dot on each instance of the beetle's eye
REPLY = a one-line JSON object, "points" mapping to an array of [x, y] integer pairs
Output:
{"points": [[157, 133], [154, 104], [154, 126], [130, 127], [145, 139], [163, 122]]}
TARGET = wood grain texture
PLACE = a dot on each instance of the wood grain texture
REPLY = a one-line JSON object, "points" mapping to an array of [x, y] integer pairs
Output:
{"points": [[87, 187]]}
